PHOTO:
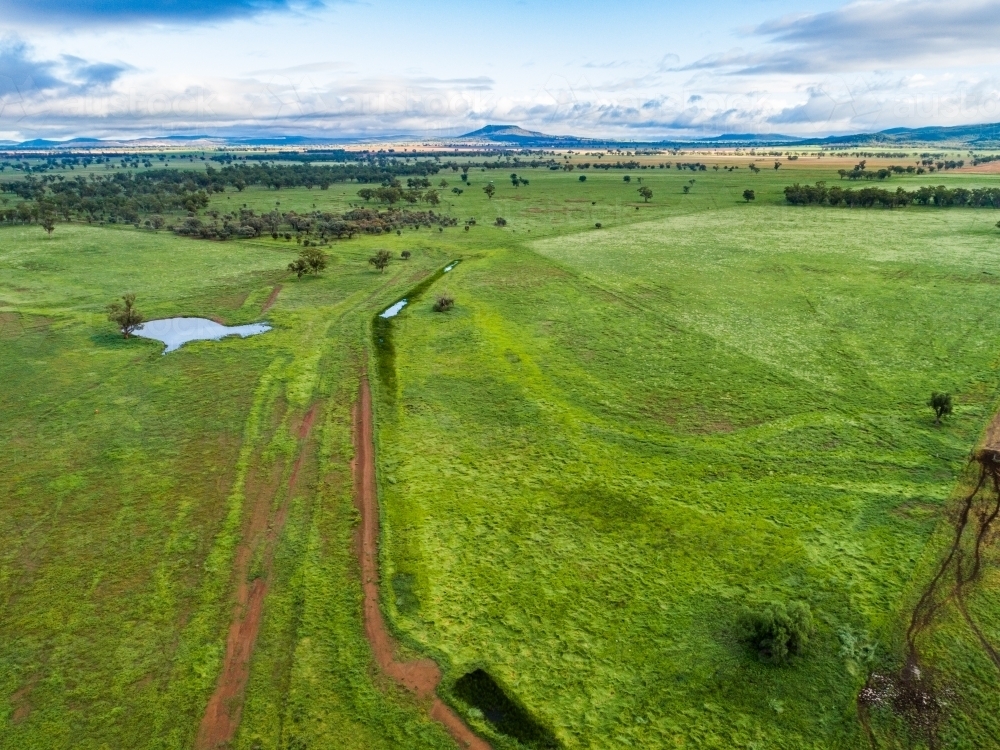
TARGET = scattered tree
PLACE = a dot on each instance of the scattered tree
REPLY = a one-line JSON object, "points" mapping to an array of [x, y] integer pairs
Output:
{"points": [[646, 193], [490, 191], [501, 222], [777, 165], [125, 315], [48, 222], [748, 195], [405, 255], [444, 303], [380, 260], [941, 404], [687, 189], [583, 178], [777, 631], [597, 225], [311, 260], [627, 178]]}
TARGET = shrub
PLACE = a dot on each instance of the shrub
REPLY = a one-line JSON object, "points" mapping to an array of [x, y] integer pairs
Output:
{"points": [[444, 303], [598, 225], [941, 404], [776, 630], [501, 222]]}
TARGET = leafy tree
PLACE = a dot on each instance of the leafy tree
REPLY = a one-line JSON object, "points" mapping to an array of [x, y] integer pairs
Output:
{"points": [[366, 193], [776, 630], [998, 225], [432, 197], [311, 260], [444, 303], [687, 189], [380, 260], [646, 193], [125, 315], [748, 195], [457, 191], [597, 225], [48, 222], [443, 183], [490, 191], [405, 255], [583, 178], [941, 404], [627, 178], [501, 222], [777, 165]]}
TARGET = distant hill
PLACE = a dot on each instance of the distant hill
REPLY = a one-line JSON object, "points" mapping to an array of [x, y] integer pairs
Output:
{"points": [[513, 136]]}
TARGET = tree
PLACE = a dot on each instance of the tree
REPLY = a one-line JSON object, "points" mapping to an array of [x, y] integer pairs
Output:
{"points": [[777, 631], [501, 222], [687, 189], [583, 178], [627, 178], [311, 260], [366, 193], [380, 260], [941, 404], [748, 195], [443, 183], [490, 191], [432, 197], [405, 255], [777, 165], [444, 303], [646, 193], [48, 222], [125, 315]]}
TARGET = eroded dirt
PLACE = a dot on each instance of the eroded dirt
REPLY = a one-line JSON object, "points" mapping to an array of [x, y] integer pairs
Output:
{"points": [[419, 676], [260, 536], [911, 693], [272, 298]]}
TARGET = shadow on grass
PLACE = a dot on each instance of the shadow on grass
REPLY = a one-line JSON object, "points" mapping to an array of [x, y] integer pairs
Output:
{"points": [[480, 691]]}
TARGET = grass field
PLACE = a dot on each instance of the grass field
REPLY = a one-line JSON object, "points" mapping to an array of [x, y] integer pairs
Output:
{"points": [[616, 439]]}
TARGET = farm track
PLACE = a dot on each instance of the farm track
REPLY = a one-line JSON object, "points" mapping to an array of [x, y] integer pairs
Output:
{"points": [[962, 566], [419, 676], [261, 533]]}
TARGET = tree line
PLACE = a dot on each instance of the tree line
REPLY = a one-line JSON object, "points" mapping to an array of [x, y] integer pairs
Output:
{"points": [[820, 194]]}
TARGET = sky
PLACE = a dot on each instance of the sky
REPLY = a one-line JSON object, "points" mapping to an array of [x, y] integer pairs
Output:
{"points": [[638, 70]]}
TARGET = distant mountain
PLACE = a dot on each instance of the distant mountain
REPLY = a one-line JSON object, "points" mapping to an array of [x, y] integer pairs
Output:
{"points": [[513, 136]]}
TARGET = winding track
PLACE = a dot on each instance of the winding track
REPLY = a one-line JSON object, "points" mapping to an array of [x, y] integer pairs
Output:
{"points": [[420, 676]]}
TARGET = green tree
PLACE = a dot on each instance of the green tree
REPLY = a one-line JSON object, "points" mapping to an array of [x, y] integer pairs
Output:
{"points": [[125, 315], [490, 191], [311, 260], [380, 260], [627, 178], [776, 630], [941, 404], [48, 222], [405, 255], [646, 193], [748, 195], [366, 193], [583, 178], [432, 197]]}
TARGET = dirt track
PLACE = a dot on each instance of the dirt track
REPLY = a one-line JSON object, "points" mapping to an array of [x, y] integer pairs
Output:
{"points": [[271, 299], [225, 707], [420, 676]]}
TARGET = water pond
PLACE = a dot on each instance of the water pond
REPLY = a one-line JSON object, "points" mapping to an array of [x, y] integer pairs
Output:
{"points": [[393, 311], [175, 332]]}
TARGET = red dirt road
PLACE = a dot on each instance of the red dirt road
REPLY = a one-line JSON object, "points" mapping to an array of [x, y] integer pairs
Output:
{"points": [[225, 707], [420, 676]]}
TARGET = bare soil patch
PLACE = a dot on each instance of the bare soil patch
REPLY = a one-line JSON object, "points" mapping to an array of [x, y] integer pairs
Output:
{"points": [[419, 676], [271, 299]]}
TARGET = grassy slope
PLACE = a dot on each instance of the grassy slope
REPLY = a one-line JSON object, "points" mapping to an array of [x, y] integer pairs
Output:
{"points": [[582, 449], [619, 436], [123, 496]]}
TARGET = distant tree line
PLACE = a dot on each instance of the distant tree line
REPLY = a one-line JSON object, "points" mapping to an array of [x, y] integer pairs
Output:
{"points": [[316, 227], [821, 195]]}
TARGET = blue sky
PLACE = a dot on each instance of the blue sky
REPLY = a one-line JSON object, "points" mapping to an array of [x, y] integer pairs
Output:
{"points": [[111, 68]]}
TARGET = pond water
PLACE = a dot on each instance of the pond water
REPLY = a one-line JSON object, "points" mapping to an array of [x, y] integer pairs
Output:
{"points": [[175, 332], [393, 311], [448, 268]]}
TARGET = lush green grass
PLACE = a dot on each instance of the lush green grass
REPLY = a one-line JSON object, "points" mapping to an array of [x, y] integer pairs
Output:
{"points": [[124, 481], [618, 437]]}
